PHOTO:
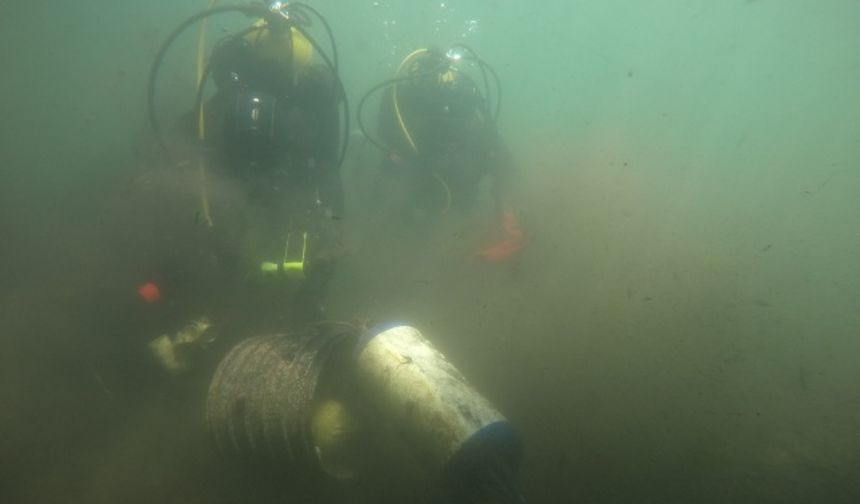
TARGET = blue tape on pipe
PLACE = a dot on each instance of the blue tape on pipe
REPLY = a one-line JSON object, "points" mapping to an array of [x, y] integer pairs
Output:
{"points": [[495, 450]]}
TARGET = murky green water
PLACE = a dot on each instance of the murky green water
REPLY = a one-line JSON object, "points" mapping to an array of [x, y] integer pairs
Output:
{"points": [[682, 327]]}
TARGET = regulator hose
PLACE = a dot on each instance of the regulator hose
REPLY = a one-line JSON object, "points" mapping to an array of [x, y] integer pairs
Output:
{"points": [[384, 84], [249, 11]]}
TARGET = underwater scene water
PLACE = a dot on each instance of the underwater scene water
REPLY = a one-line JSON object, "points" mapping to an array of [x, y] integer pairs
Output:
{"points": [[665, 307]]}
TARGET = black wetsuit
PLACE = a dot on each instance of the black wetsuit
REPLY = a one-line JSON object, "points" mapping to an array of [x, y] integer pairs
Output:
{"points": [[162, 232]]}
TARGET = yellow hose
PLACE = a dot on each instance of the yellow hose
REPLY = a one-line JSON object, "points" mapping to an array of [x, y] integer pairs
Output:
{"points": [[408, 59], [204, 198], [201, 43], [201, 120]]}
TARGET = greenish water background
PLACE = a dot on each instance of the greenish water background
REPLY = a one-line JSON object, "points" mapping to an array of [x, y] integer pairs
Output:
{"points": [[682, 328]]}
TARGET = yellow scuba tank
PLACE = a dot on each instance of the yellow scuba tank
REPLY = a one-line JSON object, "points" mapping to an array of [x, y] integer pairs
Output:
{"points": [[278, 46]]}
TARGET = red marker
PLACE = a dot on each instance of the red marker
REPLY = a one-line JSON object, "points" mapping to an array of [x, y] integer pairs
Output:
{"points": [[501, 251], [149, 292]]}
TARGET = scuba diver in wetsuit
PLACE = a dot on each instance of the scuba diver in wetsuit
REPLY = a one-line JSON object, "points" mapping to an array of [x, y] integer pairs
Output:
{"points": [[437, 128], [262, 155]]}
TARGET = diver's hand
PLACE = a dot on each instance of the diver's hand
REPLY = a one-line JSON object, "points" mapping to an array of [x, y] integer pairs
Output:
{"points": [[177, 352]]}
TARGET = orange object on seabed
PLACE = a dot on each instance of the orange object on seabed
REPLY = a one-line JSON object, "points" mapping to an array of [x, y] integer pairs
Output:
{"points": [[509, 246], [149, 292]]}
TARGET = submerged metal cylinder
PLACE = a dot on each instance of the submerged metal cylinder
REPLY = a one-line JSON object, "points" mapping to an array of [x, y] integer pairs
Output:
{"points": [[262, 395], [448, 425]]}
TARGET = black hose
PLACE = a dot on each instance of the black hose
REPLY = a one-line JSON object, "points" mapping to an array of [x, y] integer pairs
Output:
{"points": [[340, 92], [325, 24], [358, 113], [346, 126], [474, 58], [300, 17], [332, 64], [485, 67], [345, 140], [250, 11], [495, 76], [487, 91]]}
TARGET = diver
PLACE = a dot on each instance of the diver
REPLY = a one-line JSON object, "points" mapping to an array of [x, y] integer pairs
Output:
{"points": [[437, 129], [261, 154], [234, 242]]}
